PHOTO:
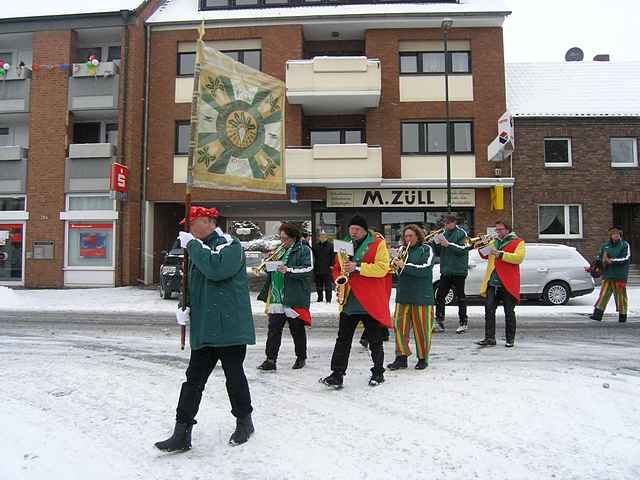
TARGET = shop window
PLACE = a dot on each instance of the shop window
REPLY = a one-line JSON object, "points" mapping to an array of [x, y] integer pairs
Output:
{"points": [[11, 245], [428, 138], [557, 152], [435, 63], [90, 244], [559, 221], [183, 136], [624, 152]]}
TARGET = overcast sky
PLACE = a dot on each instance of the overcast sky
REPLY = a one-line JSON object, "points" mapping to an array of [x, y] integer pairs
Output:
{"points": [[543, 30]]}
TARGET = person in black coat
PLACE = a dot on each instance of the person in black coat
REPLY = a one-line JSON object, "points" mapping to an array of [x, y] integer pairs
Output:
{"points": [[323, 260]]}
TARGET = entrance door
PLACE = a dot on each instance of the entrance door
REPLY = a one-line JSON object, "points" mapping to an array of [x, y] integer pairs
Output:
{"points": [[627, 216], [11, 253]]}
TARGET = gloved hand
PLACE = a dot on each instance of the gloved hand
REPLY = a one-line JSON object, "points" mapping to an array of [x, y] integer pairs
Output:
{"points": [[185, 237], [182, 316]]}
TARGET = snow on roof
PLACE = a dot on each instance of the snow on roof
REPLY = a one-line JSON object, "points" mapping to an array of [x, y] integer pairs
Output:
{"points": [[573, 89], [173, 11], [50, 8]]}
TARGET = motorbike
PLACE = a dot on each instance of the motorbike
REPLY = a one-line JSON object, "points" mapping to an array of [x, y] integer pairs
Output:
{"points": [[171, 272]]}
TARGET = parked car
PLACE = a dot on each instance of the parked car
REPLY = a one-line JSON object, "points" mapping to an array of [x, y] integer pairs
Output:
{"points": [[550, 272], [264, 244], [171, 272]]}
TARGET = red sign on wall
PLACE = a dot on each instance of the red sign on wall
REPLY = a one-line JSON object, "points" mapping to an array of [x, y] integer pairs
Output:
{"points": [[119, 178]]}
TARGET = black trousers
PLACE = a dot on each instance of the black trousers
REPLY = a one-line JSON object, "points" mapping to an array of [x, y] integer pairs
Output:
{"points": [[324, 283], [447, 282], [495, 295], [374, 333], [201, 364], [274, 335]]}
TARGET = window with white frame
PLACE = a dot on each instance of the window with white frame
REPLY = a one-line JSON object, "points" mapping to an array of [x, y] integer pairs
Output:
{"points": [[12, 203], [557, 152], [624, 152], [5, 137], [83, 202], [90, 244], [559, 221]]}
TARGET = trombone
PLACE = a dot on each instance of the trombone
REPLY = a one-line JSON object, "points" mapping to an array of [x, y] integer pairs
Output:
{"points": [[274, 256], [480, 241]]}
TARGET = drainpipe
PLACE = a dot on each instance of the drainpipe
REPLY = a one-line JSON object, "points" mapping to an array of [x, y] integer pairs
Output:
{"points": [[143, 180], [122, 128]]}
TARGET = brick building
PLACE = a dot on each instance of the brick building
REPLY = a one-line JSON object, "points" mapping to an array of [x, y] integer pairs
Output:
{"points": [[366, 123], [577, 126], [63, 122]]}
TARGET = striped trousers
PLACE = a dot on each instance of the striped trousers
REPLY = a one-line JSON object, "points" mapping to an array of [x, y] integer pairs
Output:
{"points": [[421, 318], [619, 290]]}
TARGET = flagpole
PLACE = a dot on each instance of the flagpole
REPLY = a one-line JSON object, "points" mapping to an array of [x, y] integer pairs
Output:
{"points": [[187, 193]]}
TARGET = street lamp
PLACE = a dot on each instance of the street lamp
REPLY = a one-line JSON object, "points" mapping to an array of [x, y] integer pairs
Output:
{"points": [[446, 26]]}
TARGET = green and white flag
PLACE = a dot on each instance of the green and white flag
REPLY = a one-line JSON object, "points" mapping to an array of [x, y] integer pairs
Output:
{"points": [[237, 126]]}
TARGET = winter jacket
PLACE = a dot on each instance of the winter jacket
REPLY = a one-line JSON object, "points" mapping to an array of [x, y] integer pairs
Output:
{"points": [[415, 283], [323, 258], [506, 265], [620, 254], [297, 280], [218, 293], [454, 259]]}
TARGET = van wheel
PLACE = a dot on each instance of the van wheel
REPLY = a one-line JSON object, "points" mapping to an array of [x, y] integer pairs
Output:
{"points": [[556, 293], [448, 300], [165, 294]]}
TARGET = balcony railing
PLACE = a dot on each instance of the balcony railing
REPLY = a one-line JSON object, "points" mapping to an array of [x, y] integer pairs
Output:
{"points": [[346, 162], [15, 91], [94, 88]]}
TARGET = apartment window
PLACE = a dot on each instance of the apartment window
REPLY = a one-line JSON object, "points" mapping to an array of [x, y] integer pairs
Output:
{"points": [[560, 221], [112, 133], [183, 136], [435, 62], [83, 54], [557, 152], [214, 4], [11, 204], [90, 202], [336, 136], [114, 53], [4, 136], [624, 152], [207, 4], [7, 57], [86, 132], [186, 63], [423, 138]]}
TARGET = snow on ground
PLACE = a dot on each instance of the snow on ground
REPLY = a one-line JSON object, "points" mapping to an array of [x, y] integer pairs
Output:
{"points": [[84, 402], [138, 300]]}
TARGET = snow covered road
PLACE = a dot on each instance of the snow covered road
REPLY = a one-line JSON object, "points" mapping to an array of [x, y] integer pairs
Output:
{"points": [[88, 401]]}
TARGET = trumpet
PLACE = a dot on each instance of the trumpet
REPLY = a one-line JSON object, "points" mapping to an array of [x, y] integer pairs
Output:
{"points": [[342, 280], [274, 256], [480, 241], [433, 234], [401, 255]]}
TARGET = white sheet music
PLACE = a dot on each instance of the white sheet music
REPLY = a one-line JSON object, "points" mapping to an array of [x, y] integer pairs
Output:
{"points": [[273, 266], [342, 246]]}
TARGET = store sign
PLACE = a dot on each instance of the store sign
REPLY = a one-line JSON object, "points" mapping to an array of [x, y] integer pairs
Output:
{"points": [[119, 178], [400, 198]]}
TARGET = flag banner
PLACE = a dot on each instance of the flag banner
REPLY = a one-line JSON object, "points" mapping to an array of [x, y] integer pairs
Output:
{"points": [[237, 122]]}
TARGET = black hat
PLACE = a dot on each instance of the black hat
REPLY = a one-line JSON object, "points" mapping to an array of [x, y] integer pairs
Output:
{"points": [[450, 218], [615, 229], [360, 221]]}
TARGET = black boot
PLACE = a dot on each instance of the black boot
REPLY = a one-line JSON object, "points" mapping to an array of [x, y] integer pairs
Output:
{"points": [[422, 364], [622, 318], [398, 363], [332, 381], [244, 429], [376, 379], [596, 315], [319, 297], [179, 441], [487, 342], [299, 363], [267, 365]]}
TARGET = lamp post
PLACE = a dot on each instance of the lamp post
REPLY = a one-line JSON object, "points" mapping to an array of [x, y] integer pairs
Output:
{"points": [[446, 26]]}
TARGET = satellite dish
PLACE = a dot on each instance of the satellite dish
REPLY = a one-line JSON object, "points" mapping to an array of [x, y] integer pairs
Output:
{"points": [[574, 54]]}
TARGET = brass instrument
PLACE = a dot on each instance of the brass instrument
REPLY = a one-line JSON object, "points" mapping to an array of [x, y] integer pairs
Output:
{"points": [[480, 241], [342, 281], [433, 234], [274, 256], [402, 254]]}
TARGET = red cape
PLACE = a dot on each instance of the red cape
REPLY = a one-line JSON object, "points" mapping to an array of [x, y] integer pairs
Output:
{"points": [[508, 273]]}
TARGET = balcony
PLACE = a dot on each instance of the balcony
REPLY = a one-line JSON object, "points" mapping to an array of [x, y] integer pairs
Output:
{"points": [[333, 164], [334, 85], [15, 91], [13, 169], [94, 89], [87, 167]]}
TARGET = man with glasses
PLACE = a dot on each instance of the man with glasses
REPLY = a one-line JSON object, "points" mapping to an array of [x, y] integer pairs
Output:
{"points": [[501, 282]]}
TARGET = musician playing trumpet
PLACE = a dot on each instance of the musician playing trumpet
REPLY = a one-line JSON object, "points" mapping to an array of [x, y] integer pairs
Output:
{"points": [[367, 301], [414, 299]]}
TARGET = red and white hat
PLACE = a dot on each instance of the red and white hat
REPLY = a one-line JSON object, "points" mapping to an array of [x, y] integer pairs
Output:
{"points": [[196, 212]]}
